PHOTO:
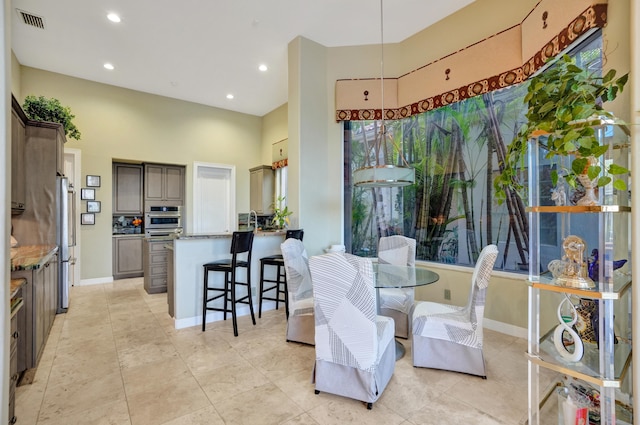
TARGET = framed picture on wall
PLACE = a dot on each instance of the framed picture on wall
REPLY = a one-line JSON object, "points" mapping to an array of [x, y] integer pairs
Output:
{"points": [[93, 181], [93, 206], [87, 218], [87, 194]]}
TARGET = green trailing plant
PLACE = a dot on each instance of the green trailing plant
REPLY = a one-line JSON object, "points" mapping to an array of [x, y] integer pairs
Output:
{"points": [[562, 102], [44, 109], [280, 214]]}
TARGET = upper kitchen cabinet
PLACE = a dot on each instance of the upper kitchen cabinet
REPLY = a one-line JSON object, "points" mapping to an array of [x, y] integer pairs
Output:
{"points": [[18, 139], [127, 189], [164, 183], [262, 189]]}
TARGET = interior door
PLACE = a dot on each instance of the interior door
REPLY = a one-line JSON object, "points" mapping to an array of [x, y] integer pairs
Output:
{"points": [[213, 198]]}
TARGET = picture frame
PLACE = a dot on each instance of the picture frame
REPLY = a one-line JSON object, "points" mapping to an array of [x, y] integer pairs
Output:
{"points": [[93, 206], [93, 181], [87, 194], [87, 218]]}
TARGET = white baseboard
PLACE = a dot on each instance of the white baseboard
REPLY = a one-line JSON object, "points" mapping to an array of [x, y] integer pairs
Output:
{"points": [[95, 281], [215, 316], [505, 328]]}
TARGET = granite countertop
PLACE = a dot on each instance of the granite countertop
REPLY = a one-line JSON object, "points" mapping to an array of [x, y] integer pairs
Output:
{"points": [[225, 235], [31, 256], [16, 284]]}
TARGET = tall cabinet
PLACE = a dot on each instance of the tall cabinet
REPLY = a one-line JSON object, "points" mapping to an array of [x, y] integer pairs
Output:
{"points": [[580, 293]]}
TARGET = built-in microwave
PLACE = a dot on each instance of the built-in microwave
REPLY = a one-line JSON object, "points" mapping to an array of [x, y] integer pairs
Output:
{"points": [[163, 217]]}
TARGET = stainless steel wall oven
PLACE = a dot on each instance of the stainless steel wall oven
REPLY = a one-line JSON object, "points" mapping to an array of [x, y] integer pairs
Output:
{"points": [[160, 221]]}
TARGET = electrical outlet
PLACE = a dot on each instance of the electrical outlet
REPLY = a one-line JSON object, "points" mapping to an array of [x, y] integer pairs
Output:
{"points": [[447, 294]]}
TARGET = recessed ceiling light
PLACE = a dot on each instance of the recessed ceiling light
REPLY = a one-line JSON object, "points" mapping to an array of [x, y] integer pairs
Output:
{"points": [[263, 67], [113, 17], [109, 66], [229, 96]]}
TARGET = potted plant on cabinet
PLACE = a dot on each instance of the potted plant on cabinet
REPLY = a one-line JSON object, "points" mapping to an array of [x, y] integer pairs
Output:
{"points": [[50, 110], [563, 104]]}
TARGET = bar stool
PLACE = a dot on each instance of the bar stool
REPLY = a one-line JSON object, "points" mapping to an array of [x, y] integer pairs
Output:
{"points": [[280, 282], [241, 242]]}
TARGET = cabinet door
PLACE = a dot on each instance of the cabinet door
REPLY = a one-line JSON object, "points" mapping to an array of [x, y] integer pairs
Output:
{"points": [[18, 136], [127, 189], [127, 257], [261, 189], [174, 184], [153, 182], [155, 266], [39, 321]]}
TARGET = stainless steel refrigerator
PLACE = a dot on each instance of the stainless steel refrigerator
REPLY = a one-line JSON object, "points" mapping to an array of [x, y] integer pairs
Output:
{"points": [[65, 238]]}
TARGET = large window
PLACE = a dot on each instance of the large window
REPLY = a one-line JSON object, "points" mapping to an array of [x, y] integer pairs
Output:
{"points": [[450, 210]]}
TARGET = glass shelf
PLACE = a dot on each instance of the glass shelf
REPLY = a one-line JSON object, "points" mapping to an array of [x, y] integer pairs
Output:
{"points": [[621, 283], [588, 367]]}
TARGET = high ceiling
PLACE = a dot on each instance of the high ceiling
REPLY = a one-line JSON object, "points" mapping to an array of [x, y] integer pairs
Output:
{"points": [[202, 50]]}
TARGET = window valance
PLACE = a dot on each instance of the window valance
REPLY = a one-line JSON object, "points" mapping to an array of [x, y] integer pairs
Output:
{"points": [[499, 61]]}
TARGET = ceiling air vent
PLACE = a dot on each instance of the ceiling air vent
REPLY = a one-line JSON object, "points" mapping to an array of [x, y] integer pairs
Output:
{"points": [[31, 19]]}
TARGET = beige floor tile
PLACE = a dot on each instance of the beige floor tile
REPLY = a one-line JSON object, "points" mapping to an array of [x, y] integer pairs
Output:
{"points": [[230, 380], [341, 410], [303, 419], [116, 358], [264, 405], [63, 400], [164, 400], [116, 413], [206, 416], [446, 410]]}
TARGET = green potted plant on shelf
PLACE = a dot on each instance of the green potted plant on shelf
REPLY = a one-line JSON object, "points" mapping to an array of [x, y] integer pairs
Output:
{"points": [[280, 215], [43, 109], [563, 102]]}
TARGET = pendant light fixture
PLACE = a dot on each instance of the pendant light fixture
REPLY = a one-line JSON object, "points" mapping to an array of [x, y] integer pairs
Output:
{"points": [[379, 173]]}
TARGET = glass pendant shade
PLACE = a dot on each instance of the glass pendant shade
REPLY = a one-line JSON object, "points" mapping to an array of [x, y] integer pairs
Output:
{"points": [[378, 173], [384, 176]]}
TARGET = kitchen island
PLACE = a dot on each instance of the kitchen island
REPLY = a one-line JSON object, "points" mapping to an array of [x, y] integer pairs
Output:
{"points": [[191, 251]]}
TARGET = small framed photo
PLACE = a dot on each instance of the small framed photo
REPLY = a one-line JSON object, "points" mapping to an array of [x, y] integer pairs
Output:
{"points": [[87, 218], [93, 206], [93, 181], [87, 194]]}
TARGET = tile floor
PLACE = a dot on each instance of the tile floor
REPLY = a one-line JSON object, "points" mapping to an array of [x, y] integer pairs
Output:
{"points": [[115, 358]]}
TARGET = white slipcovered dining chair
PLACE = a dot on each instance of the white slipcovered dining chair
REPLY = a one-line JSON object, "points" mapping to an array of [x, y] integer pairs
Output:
{"points": [[397, 302], [355, 348], [450, 337], [300, 323]]}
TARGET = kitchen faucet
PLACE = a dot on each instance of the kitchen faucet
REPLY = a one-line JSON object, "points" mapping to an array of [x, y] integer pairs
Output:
{"points": [[255, 214]]}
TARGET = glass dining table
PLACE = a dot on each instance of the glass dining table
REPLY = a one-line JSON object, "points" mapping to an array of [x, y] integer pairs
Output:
{"points": [[392, 276]]}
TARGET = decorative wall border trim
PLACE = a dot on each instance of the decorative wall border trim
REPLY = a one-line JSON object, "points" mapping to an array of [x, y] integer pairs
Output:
{"points": [[593, 17]]}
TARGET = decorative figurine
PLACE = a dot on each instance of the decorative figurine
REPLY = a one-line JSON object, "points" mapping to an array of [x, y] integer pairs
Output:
{"points": [[574, 273], [594, 265], [559, 196], [566, 327]]}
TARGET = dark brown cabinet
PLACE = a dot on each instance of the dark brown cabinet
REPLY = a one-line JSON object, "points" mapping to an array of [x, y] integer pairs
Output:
{"points": [[155, 265], [40, 296], [127, 257], [18, 139], [13, 354], [164, 183], [127, 189]]}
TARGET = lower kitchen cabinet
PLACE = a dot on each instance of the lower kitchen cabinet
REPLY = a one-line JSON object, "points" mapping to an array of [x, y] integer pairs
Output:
{"points": [[13, 354], [155, 265], [127, 256], [40, 297]]}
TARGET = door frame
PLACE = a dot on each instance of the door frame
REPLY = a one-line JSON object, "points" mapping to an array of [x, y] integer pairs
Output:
{"points": [[77, 171], [230, 171]]}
